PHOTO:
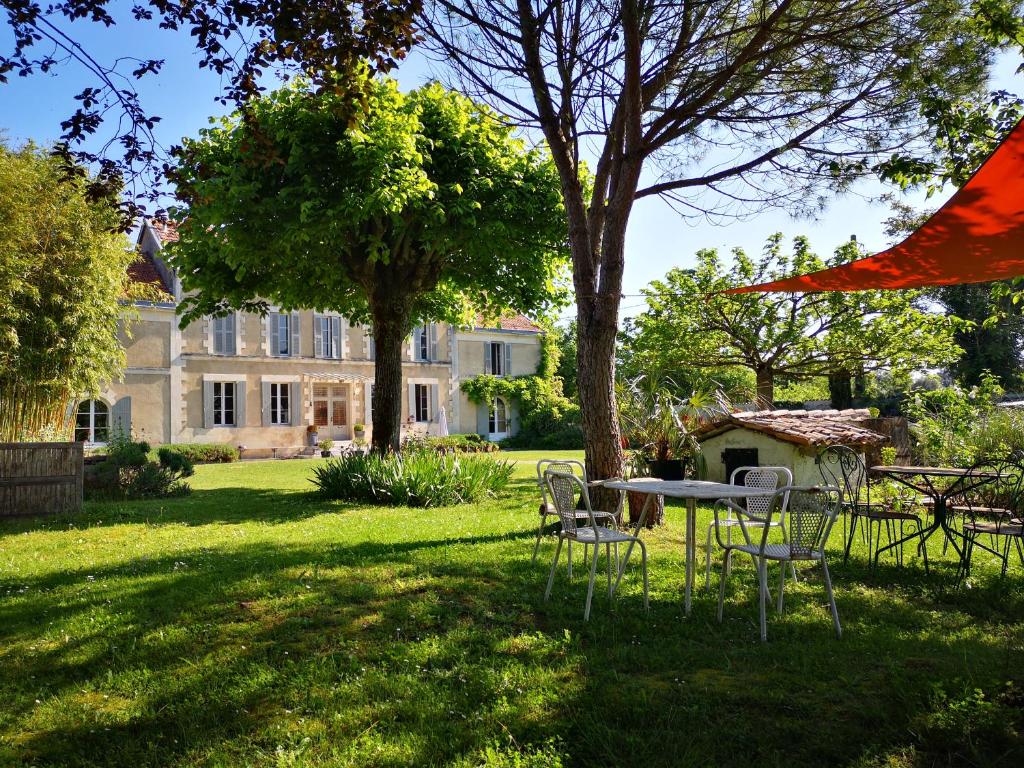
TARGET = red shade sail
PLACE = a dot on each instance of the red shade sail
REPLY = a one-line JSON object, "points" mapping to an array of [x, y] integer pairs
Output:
{"points": [[976, 237]]}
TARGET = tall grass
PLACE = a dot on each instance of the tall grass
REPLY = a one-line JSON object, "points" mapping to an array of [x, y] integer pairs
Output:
{"points": [[418, 478]]}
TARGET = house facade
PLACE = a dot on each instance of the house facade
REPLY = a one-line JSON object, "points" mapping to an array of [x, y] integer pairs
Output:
{"points": [[262, 382]]}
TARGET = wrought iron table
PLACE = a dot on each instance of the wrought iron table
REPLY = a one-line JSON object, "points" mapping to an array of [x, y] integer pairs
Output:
{"points": [[691, 491], [961, 481]]}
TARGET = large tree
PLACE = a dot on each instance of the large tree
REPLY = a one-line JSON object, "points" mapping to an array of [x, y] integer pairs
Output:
{"points": [[112, 129], [425, 207], [726, 104], [62, 282], [691, 323]]}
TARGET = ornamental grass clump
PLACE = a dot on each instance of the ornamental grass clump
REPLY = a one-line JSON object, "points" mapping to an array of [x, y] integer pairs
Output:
{"points": [[418, 478]]}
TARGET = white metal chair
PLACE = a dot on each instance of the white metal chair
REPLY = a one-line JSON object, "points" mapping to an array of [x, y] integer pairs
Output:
{"points": [[547, 508], [563, 488], [812, 513], [755, 477]]}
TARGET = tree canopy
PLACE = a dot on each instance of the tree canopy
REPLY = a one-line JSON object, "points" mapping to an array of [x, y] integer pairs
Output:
{"points": [[721, 107], [690, 323], [425, 207], [63, 276]]}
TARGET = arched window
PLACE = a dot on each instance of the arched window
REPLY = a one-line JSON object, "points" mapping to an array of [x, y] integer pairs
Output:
{"points": [[497, 420], [92, 422]]}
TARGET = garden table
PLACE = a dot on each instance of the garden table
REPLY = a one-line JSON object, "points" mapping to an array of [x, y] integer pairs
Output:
{"points": [[960, 481], [691, 491]]}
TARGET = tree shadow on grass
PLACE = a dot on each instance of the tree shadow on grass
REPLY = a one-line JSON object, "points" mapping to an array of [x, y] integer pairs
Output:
{"points": [[424, 651]]}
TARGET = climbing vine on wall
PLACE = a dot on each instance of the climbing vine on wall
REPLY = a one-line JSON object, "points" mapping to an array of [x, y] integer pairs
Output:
{"points": [[547, 418]]}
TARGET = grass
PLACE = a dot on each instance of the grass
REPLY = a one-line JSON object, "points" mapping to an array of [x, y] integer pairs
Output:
{"points": [[254, 624]]}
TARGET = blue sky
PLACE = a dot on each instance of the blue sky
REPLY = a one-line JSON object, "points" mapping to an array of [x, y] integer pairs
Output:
{"points": [[658, 239]]}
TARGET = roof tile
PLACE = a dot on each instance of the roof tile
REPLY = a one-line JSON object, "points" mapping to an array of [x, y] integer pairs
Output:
{"points": [[813, 428]]}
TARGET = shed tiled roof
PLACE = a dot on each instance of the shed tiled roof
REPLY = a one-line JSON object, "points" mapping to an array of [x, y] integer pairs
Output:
{"points": [[811, 428], [510, 323]]}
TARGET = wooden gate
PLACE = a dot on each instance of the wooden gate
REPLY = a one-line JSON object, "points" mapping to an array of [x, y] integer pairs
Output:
{"points": [[40, 478], [897, 433]]}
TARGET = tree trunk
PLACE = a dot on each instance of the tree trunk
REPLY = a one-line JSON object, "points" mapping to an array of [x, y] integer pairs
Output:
{"points": [[390, 328], [840, 389], [765, 387]]}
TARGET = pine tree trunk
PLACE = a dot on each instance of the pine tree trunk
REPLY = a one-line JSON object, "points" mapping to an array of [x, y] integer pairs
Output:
{"points": [[765, 387], [390, 328]]}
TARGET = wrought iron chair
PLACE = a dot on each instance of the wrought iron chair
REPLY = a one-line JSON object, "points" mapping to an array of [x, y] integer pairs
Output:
{"points": [[547, 508], [563, 487], [812, 513], [754, 477], [992, 508], [842, 467]]}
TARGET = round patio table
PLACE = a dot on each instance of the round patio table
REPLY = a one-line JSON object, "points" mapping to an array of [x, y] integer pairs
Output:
{"points": [[921, 479], [691, 491]]}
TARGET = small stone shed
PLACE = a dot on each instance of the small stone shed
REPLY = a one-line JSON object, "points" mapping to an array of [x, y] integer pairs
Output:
{"points": [[783, 438]]}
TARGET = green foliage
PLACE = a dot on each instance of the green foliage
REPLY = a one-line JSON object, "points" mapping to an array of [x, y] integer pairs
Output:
{"points": [[943, 420], [658, 424], [468, 443], [128, 473], [691, 323], [204, 453], [426, 187], [175, 461], [993, 347], [326, 445], [565, 339], [972, 728], [998, 434], [62, 278], [413, 478], [815, 388], [547, 418]]}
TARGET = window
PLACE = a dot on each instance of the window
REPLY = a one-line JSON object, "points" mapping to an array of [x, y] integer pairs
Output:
{"points": [[224, 335], [282, 328], [497, 420], [421, 399], [224, 403], [327, 333], [497, 358], [92, 422], [421, 343], [280, 403]]}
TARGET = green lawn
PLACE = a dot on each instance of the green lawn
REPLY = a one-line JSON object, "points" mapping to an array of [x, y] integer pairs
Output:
{"points": [[254, 624]]}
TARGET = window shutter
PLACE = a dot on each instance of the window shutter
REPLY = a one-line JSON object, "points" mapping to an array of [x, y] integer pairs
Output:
{"points": [[482, 412], [266, 404], [433, 403], [239, 403], [295, 403], [294, 350], [508, 360], [487, 357], [318, 336], [336, 337], [275, 334], [121, 417], [207, 404], [432, 341], [229, 335], [412, 402]]}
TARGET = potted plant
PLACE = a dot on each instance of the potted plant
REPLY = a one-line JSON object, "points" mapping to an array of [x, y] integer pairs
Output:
{"points": [[311, 435], [359, 430], [325, 448]]}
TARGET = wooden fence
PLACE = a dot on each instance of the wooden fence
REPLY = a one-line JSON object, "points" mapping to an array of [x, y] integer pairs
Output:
{"points": [[897, 434], [40, 478]]}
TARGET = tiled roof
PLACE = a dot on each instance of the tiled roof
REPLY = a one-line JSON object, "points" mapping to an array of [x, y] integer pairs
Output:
{"points": [[166, 231], [813, 428], [511, 323], [144, 271]]}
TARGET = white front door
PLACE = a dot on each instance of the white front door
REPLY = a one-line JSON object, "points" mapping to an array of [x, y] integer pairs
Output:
{"points": [[330, 411], [498, 420]]}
